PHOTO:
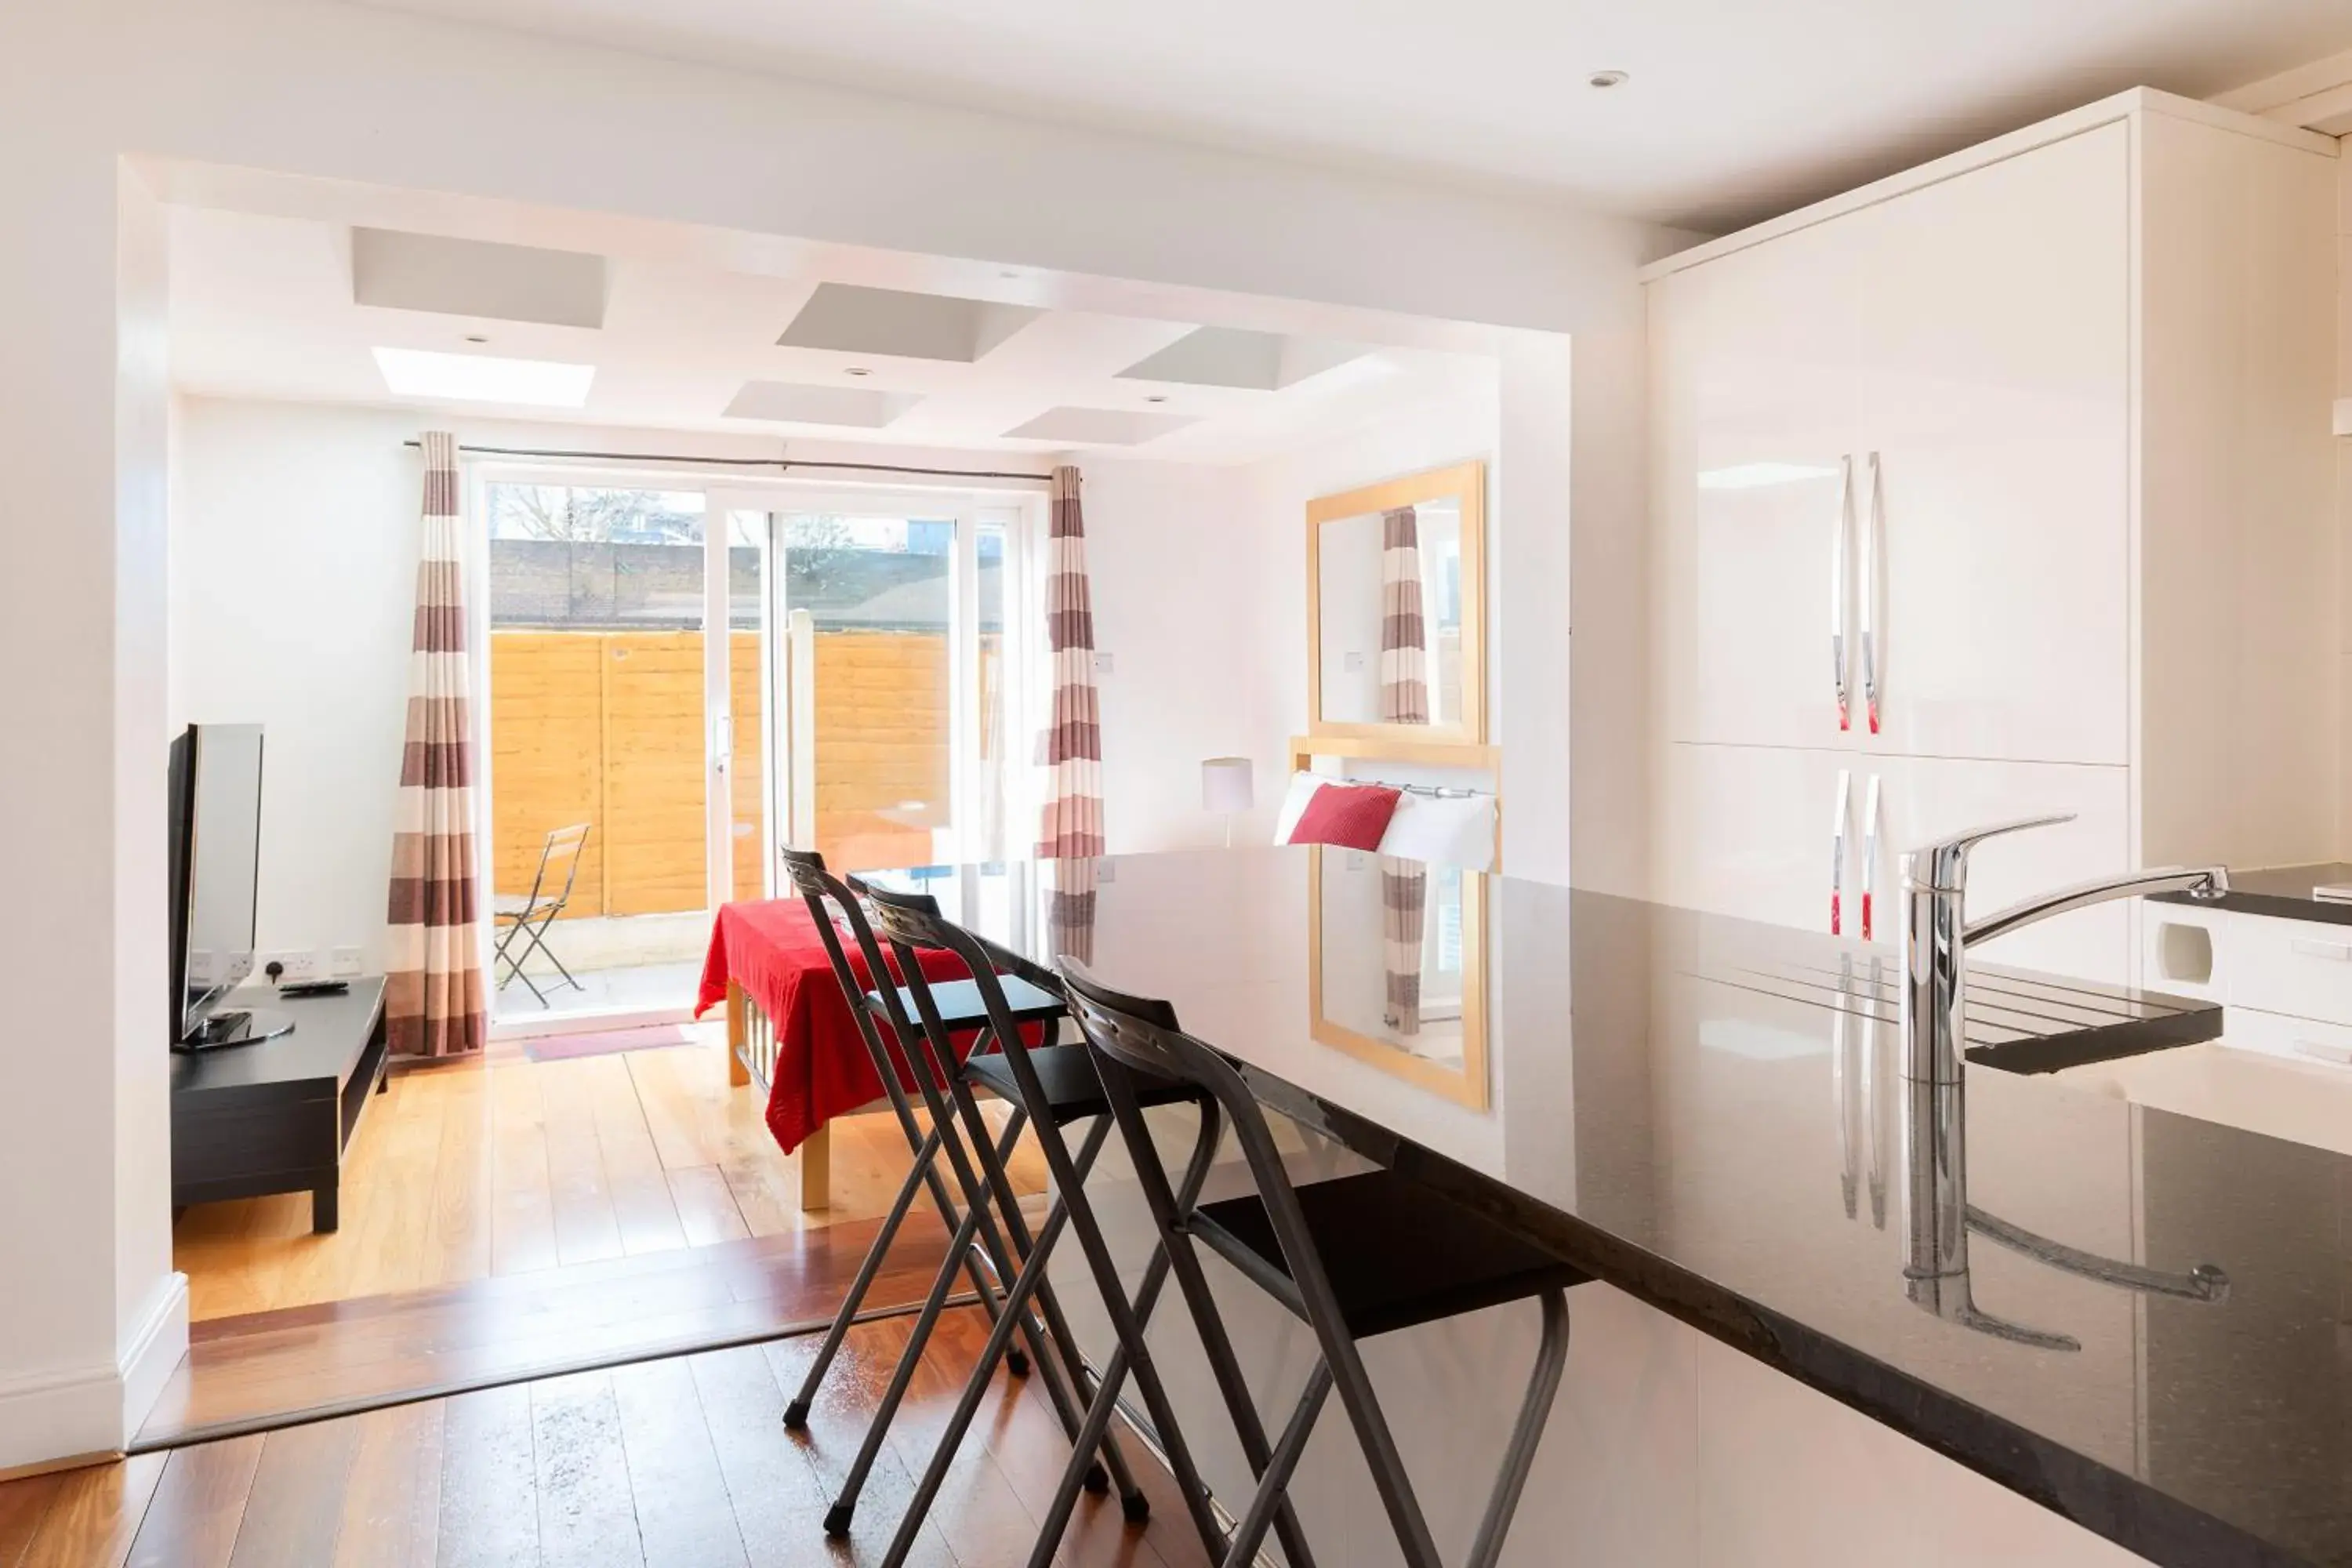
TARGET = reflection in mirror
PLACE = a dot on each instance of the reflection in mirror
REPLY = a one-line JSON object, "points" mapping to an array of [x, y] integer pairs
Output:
{"points": [[1398, 971], [1389, 587]]}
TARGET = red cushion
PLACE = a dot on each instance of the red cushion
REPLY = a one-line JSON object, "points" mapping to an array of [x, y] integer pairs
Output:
{"points": [[1351, 816]]}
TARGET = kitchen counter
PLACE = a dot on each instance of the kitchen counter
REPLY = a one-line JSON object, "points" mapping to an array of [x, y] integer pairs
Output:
{"points": [[2284, 892], [1704, 1114]]}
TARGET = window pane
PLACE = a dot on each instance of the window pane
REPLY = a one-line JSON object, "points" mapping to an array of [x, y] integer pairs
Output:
{"points": [[880, 592], [596, 716], [992, 727]]}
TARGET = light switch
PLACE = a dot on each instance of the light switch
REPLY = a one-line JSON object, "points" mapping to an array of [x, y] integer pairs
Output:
{"points": [[1353, 663], [1102, 664]]}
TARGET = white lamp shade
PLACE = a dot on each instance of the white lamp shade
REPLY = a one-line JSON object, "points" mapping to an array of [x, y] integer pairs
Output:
{"points": [[1225, 785]]}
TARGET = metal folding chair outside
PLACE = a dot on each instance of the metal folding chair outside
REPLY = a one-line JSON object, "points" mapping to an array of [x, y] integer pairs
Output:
{"points": [[527, 917], [976, 1246], [1328, 1254], [909, 921]]}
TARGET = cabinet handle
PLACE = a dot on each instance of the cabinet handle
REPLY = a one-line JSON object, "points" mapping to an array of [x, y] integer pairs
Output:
{"points": [[2321, 1050], [1869, 851], [2336, 950], [1840, 587], [1837, 852], [1869, 595]]}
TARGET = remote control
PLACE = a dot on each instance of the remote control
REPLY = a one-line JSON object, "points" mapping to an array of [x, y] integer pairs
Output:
{"points": [[315, 988]]}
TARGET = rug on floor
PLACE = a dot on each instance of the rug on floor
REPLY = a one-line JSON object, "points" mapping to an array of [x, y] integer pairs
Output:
{"points": [[604, 1042]]}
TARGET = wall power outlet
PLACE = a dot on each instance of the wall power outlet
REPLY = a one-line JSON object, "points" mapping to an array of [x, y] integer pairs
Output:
{"points": [[344, 963], [296, 966]]}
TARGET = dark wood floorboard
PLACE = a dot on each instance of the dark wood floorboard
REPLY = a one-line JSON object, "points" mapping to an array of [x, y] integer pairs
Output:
{"points": [[198, 1505], [676, 1463]]}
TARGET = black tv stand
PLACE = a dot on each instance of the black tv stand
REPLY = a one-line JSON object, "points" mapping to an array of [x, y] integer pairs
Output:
{"points": [[275, 1115], [236, 1026]]}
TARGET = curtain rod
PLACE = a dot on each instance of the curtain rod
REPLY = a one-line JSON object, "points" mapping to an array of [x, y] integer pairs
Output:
{"points": [[748, 462]]}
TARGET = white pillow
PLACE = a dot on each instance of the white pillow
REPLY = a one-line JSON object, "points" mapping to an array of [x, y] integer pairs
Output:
{"points": [[1302, 789], [1446, 830]]}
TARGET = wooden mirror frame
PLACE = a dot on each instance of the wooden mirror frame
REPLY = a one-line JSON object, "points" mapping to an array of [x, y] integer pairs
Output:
{"points": [[1465, 480], [1465, 1085]]}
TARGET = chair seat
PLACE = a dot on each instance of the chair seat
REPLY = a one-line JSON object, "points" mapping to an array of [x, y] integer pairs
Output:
{"points": [[961, 1008], [1396, 1253], [1067, 1075], [511, 906]]}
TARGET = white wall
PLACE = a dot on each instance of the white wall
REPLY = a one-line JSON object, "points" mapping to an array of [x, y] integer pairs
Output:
{"points": [[294, 540], [293, 560], [1175, 556], [344, 92]]}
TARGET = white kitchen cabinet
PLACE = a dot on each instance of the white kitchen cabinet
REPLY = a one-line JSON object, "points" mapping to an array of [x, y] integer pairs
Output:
{"points": [[1759, 843], [2044, 429]]}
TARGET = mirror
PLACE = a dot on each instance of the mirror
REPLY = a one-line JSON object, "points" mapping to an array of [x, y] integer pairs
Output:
{"points": [[1396, 590], [1397, 967]]}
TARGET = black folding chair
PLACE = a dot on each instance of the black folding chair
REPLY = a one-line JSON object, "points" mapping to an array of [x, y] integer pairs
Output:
{"points": [[1353, 1258], [527, 919], [907, 1073], [1055, 1086]]}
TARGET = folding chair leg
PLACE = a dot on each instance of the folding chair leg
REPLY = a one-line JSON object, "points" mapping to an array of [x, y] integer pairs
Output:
{"points": [[1049, 1306], [538, 944], [1543, 1387], [1025, 1285], [1273, 1485], [922, 1171], [796, 1412], [845, 1502]]}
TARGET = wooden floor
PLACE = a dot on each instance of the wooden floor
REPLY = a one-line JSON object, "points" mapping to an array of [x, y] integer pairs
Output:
{"points": [[261, 1367], [675, 1463], [510, 1166]]}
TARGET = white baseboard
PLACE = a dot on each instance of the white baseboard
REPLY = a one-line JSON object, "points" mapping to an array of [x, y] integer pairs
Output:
{"points": [[94, 1410], [156, 1349]]}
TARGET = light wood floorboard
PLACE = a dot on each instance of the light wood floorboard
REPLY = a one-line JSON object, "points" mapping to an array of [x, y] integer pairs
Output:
{"points": [[509, 1166]]}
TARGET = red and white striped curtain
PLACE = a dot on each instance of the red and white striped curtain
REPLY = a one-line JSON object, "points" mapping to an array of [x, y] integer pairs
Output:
{"points": [[433, 999], [1404, 638], [1073, 824], [1070, 910], [1405, 699], [1404, 893]]}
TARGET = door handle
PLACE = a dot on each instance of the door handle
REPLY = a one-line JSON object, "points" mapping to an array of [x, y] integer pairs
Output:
{"points": [[1867, 609], [1840, 587], [1837, 851], [1869, 851]]}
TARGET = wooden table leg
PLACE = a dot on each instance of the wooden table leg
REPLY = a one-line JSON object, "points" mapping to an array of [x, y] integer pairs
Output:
{"points": [[816, 1171], [738, 1074]]}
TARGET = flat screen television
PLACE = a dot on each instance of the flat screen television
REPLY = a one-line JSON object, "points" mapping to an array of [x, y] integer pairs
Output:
{"points": [[216, 867]]}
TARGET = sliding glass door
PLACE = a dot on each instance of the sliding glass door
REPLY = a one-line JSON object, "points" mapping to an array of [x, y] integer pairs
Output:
{"points": [[606, 696], [895, 688], [696, 674]]}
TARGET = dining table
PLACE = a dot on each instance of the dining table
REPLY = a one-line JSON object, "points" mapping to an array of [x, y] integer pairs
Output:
{"points": [[2067, 1328]]}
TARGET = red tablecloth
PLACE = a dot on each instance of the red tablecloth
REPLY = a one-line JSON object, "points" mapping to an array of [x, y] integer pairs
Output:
{"points": [[771, 949]]}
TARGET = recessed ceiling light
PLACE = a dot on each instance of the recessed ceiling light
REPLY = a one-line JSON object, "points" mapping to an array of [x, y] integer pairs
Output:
{"points": [[1008, 273], [857, 369], [1606, 79], [476, 338], [1156, 397], [483, 378]]}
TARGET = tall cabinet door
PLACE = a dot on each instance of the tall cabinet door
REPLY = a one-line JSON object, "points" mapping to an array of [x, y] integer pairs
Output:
{"points": [[1753, 418], [1757, 832], [1992, 363]]}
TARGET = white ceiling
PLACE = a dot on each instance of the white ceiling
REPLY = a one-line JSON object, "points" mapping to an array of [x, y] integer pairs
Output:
{"points": [[262, 306], [1737, 109]]}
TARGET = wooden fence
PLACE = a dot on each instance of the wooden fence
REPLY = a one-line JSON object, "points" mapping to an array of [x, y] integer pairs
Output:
{"points": [[607, 728]]}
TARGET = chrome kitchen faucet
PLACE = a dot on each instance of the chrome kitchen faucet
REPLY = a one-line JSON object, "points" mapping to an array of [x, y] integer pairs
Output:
{"points": [[1937, 934]]}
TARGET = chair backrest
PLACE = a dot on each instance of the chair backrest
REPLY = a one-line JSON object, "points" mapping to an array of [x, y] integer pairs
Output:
{"points": [[818, 888], [1137, 1034], [912, 922], [559, 853]]}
